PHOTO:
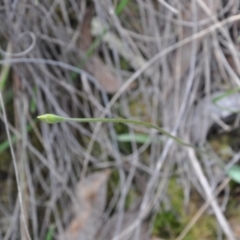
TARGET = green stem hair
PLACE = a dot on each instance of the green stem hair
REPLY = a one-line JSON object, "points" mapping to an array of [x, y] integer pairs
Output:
{"points": [[51, 118]]}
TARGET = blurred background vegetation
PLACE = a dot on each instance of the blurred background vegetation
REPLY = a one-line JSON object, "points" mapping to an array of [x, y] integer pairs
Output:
{"points": [[171, 63]]}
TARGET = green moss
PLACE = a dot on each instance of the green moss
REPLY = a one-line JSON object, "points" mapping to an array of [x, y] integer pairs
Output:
{"points": [[169, 224], [205, 228], [175, 193], [166, 225]]}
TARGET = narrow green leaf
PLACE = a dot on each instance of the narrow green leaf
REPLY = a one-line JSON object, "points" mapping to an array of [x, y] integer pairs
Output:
{"points": [[5, 70], [120, 7], [50, 233], [33, 104], [138, 138], [226, 94], [234, 173]]}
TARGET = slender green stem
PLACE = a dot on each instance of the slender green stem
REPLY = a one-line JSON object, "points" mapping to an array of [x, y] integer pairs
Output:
{"points": [[129, 121], [51, 118]]}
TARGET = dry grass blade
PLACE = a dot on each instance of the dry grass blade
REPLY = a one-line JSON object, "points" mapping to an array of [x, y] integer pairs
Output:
{"points": [[5, 70], [209, 194], [20, 196], [92, 62]]}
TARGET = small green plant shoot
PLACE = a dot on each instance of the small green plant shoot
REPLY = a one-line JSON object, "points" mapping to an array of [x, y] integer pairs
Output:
{"points": [[51, 118]]}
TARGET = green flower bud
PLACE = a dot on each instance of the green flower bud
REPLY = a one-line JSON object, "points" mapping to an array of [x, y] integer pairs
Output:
{"points": [[51, 118]]}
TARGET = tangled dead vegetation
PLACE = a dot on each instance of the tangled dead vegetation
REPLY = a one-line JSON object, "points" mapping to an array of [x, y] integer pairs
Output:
{"points": [[162, 62]]}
